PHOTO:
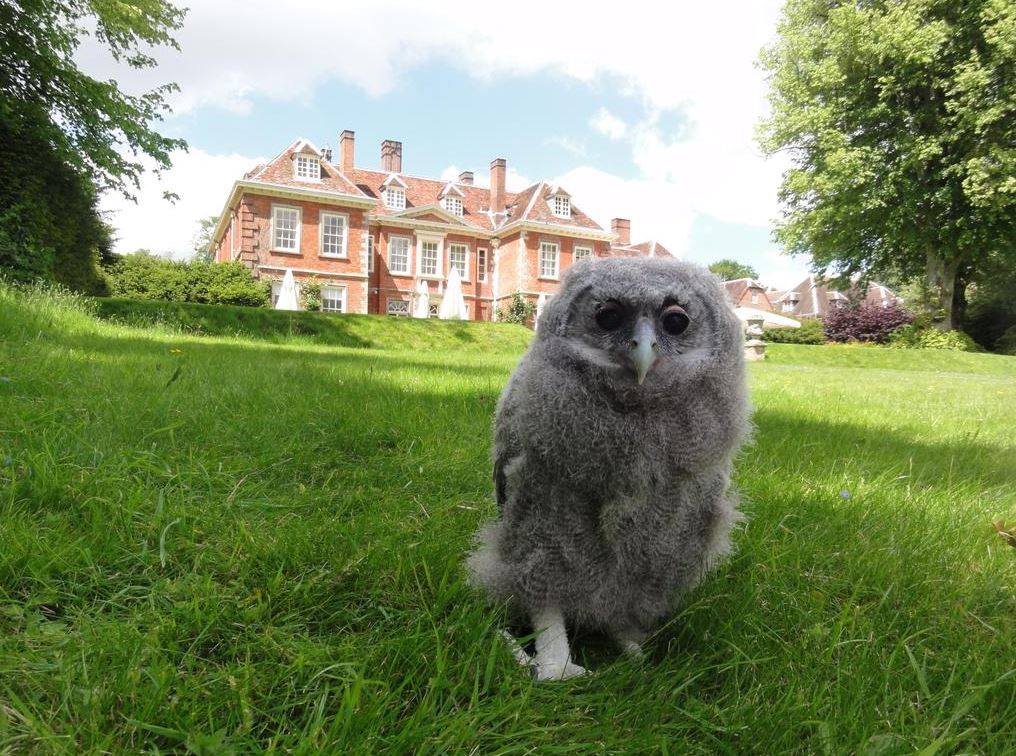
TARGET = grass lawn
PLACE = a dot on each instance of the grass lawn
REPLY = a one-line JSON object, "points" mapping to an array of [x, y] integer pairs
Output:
{"points": [[226, 544]]}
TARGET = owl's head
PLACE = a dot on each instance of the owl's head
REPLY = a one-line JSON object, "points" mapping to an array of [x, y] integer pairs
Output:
{"points": [[645, 324]]}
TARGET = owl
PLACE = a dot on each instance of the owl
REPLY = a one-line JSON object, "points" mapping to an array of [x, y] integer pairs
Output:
{"points": [[613, 446]]}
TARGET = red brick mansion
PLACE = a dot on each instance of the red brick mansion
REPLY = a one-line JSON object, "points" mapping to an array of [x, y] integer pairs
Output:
{"points": [[370, 236]]}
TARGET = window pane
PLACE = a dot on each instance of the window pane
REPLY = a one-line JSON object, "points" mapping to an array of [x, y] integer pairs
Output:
{"points": [[548, 260], [398, 307], [582, 252], [481, 264], [458, 255], [285, 227], [428, 258], [398, 254], [395, 198], [332, 299], [333, 235]]}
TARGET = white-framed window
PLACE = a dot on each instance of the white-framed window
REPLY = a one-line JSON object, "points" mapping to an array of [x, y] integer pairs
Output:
{"points": [[286, 228], [398, 307], [549, 259], [481, 265], [398, 254], [430, 257], [562, 206], [788, 306], [458, 257], [453, 205], [583, 252], [334, 233], [333, 298], [370, 254], [395, 198], [307, 167]]}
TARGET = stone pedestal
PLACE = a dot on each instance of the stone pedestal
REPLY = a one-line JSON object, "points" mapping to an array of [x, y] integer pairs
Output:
{"points": [[754, 347]]}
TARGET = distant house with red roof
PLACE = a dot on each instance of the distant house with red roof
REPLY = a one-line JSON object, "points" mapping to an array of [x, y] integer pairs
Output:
{"points": [[369, 236], [747, 292], [815, 297]]}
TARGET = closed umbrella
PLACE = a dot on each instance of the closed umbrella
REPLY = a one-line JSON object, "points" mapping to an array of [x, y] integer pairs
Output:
{"points": [[453, 305], [421, 303], [287, 295]]}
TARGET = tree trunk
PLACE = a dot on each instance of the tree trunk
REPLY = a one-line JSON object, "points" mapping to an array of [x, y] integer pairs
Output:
{"points": [[959, 308], [941, 279]]}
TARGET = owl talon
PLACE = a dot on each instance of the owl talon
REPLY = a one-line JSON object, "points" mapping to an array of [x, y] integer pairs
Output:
{"points": [[555, 671]]}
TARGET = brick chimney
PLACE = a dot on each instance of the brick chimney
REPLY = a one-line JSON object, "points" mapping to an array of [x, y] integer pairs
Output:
{"points": [[498, 168], [391, 156], [346, 144], [622, 231], [466, 177]]}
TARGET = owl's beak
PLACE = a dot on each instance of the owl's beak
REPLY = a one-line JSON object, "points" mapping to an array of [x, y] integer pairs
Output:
{"points": [[643, 348]]}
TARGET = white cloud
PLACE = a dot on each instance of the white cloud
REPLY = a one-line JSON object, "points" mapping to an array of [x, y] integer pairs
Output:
{"points": [[201, 180], [568, 144], [692, 68], [608, 124]]}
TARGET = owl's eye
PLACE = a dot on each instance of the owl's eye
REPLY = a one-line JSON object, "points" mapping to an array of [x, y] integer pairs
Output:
{"points": [[675, 320], [609, 317]]}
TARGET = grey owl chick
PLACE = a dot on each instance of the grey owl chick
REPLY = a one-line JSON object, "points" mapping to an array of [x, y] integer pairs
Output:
{"points": [[613, 445]]}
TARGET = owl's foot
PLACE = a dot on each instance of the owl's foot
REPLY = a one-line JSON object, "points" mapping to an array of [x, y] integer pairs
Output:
{"points": [[630, 642], [556, 671], [553, 658]]}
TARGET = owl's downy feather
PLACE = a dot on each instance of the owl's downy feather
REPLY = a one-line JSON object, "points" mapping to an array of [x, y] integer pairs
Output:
{"points": [[614, 496]]}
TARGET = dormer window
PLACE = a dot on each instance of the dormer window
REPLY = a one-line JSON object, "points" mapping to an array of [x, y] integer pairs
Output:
{"points": [[395, 198], [307, 168], [453, 205], [562, 206]]}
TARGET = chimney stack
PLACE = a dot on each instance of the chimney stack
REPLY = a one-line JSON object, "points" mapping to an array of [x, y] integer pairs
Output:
{"points": [[346, 143], [466, 177], [622, 231], [391, 156], [498, 168]]}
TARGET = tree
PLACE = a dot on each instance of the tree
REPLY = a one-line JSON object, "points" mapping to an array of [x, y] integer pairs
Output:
{"points": [[203, 239], [96, 127], [65, 137], [900, 122], [731, 270]]}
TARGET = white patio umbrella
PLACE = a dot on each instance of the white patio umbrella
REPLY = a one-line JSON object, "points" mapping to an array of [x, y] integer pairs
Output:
{"points": [[287, 295], [453, 306], [421, 302], [768, 318], [541, 302]]}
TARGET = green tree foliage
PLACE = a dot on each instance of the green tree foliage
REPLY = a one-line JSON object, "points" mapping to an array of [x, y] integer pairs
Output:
{"points": [[992, 309], [203, 239], [144, 276], [49, 225], [730, 270], [65, 137], [900, 120]]}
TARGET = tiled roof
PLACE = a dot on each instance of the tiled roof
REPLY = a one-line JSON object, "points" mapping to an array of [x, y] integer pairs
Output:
{"points": [[421, 192], [642, 249], [529, 204], [280, 171]]}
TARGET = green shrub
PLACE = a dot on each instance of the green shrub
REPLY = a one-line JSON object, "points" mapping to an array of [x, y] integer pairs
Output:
{"points": [[810, 332], [519, 310], [1006, 343], [310, 294], [142, 276], [919, 336]]}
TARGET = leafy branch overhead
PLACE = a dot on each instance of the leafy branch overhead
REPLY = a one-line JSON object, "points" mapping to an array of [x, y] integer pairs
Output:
{"points": [[900, 121], [98, 128]]}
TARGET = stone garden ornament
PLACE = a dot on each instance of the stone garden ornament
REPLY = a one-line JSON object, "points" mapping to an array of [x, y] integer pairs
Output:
{"points": [[613, 445]]}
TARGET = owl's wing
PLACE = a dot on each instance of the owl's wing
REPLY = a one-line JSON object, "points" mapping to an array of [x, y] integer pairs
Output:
{"points": [[506, 447]]}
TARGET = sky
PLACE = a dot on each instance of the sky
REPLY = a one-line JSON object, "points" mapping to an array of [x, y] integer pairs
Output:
{"points": [[642, 110]]}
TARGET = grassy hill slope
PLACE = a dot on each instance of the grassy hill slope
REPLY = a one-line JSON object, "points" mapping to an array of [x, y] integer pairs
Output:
{"points": [[220, 543]]}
